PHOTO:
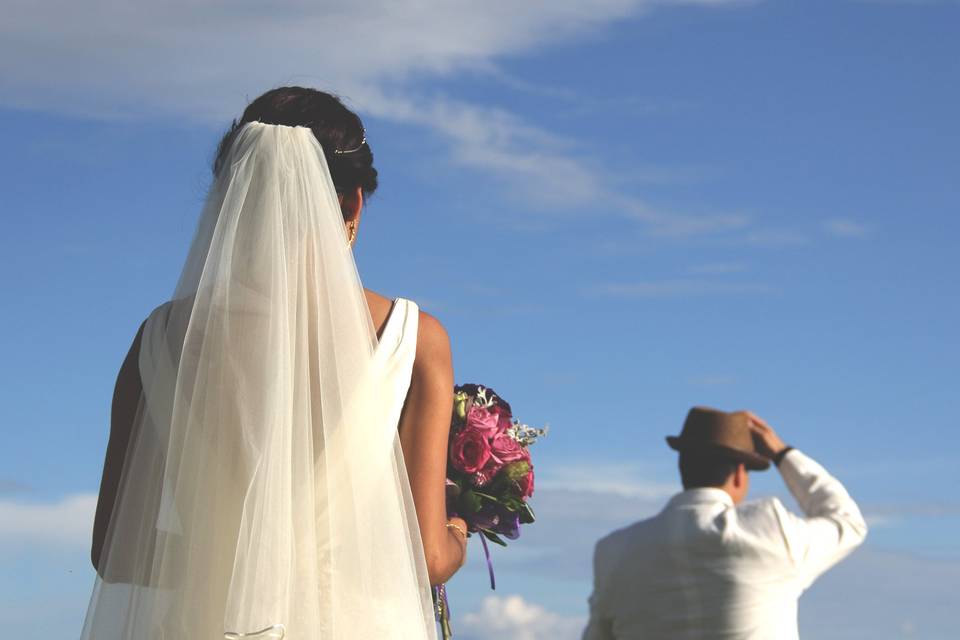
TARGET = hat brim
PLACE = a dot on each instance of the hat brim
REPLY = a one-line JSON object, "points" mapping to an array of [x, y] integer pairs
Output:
{"points": [[750, 460]]}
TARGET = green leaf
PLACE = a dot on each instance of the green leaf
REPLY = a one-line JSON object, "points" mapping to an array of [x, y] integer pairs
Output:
{"points": [[471, 501], [526, 514], [492, 537], [513, 503]]}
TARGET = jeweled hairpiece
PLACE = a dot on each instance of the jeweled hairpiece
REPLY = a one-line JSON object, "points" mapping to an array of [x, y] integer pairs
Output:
{"points": [[363, 141]]}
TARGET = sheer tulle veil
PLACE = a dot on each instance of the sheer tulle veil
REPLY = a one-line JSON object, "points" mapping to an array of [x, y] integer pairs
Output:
{"points": [[263, 492]]}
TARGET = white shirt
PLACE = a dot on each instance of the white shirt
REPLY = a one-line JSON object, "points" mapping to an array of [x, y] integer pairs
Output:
{"points": [[705, 568]]}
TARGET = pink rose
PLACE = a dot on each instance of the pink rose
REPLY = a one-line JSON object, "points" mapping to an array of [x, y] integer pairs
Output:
{"points": [[504, 419], [526, 485], [470, 451], [506, 448], [482, 420]]}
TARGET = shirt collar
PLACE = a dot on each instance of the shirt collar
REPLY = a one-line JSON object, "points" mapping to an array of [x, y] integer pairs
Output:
{"points": [[701, 495]]}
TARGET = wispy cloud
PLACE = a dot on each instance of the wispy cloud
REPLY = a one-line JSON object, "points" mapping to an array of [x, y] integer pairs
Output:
{"points": [[200, 62], [845, 228], [679, 288], [547, 171], [622, 480], [717, 268], [775, 238], [67, 522], [197, 60], [894, 514]]}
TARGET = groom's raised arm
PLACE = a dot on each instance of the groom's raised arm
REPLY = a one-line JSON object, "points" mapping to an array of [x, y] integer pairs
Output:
{"points": [[833, 526]]}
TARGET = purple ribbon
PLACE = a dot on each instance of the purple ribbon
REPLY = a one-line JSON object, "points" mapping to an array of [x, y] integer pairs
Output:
{"points": [[486, 552]]}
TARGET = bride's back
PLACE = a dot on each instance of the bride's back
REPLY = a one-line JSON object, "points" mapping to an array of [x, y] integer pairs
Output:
{"points": [[300, 485]]}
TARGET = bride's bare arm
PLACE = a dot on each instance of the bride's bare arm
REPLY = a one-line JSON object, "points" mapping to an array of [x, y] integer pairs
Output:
{"points": [[424, 430], [126, 397]]}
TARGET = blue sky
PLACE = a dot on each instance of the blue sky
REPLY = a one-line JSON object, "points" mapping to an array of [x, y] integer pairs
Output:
{"points": [[618, 209]]}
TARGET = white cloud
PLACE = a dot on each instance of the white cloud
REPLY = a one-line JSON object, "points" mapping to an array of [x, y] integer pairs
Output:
{"points": [[888, 514], [879, 520], [622, 480], [683, 225], [514, 617], [68, 522], [198, 58], [201, 61], [496, 141], [845, 228], [544, 170]]}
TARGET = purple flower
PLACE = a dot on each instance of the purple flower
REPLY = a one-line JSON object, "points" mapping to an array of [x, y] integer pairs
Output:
{"points": [[496, 518]]}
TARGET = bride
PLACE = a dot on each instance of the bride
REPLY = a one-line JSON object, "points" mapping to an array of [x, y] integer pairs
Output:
{"points": [[278, 438]]}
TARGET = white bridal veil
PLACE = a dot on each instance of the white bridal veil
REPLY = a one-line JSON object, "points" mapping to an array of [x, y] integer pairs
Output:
{"points": [[263, 492]]}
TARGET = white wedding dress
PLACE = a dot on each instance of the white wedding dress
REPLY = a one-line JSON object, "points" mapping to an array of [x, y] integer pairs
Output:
{"points": [[263, 492]]}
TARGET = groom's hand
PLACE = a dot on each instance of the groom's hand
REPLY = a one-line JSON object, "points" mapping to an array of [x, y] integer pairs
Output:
{"points": [[768, 443]]}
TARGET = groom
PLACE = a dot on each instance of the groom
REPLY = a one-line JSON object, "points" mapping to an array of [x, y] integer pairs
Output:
{"points": [[711, 565]]}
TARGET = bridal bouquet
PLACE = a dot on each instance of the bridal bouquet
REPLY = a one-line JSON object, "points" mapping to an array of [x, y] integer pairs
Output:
{"points": [[489, 472]]}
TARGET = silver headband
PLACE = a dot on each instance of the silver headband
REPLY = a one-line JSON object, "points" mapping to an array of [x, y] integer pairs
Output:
{"points": [[363, 141]]}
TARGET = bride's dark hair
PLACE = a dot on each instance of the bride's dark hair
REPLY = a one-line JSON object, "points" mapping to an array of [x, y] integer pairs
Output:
{"points": [[337, 128]]}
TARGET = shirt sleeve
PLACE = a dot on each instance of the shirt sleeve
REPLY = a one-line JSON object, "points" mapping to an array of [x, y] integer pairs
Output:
{"points": [[599, 626], [833, 525]]}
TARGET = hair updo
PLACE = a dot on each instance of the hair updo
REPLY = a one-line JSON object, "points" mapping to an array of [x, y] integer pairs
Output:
{"points": [[336, 127]]}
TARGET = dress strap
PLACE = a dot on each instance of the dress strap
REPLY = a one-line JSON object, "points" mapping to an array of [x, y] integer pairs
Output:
{"points": [[399, 337]]}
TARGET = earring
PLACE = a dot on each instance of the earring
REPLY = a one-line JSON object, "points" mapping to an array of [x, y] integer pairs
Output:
{"points": [[353, 233]]}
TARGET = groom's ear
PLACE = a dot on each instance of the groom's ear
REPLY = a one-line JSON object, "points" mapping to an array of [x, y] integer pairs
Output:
{"points": [[740, 475], [351, 203]]}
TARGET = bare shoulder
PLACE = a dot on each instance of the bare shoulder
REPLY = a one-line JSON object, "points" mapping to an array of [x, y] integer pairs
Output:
{"points": [[430, 397], [433, 362], [432, 338]]}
